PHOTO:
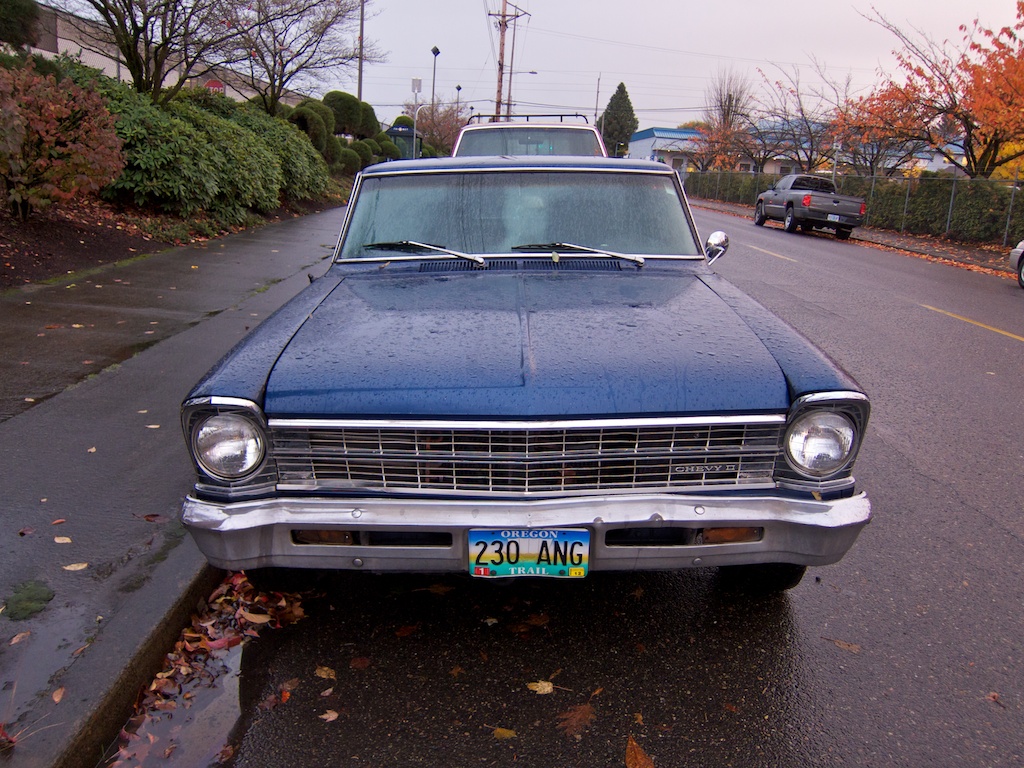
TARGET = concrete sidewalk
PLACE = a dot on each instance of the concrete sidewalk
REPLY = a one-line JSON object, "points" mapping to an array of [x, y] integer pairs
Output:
{"points": [[92, 373]]}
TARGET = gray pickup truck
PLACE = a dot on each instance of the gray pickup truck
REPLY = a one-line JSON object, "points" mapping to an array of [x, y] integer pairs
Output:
{"points": [[805, 202]]}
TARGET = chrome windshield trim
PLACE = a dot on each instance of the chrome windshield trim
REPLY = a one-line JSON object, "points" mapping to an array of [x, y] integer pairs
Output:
{"points": [[601, 423]]}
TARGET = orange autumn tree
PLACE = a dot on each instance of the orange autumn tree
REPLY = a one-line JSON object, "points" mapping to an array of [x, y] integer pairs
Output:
{"points": [[877, 132], [968, 98]]}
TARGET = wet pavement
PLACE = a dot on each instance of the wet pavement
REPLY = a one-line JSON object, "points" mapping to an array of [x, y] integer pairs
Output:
{"points": [[92, 370]]}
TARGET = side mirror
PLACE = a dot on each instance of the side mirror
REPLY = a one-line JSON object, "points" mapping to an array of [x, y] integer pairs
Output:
{"points": [[716, 246]]}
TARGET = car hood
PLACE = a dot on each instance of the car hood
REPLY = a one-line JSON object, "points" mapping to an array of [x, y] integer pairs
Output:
{"points": [[526, 344]]}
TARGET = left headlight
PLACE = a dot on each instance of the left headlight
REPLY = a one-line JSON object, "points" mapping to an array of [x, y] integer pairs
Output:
{"points": [[820, 443], [228, 446]]}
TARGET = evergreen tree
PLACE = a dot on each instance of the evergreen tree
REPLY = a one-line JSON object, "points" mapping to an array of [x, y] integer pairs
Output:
{"points": [[618, 123], [18, 20]]}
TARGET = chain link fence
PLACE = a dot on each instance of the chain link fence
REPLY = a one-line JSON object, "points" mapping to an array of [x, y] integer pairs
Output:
{"points": [[960, 209]]}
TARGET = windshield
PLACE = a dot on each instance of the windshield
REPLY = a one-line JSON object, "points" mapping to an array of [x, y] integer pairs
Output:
{"points": [[529, 140], [485, 212]]}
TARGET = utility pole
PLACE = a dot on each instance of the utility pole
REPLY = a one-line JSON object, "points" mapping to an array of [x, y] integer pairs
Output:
{"points": [[502, 27], [512, 59], [359, 81]]}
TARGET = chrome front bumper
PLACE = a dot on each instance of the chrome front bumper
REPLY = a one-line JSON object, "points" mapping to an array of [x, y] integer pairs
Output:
{"points": [[258, 534]]}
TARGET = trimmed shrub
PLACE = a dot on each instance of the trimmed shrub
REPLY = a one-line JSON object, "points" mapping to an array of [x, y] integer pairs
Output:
{"points": [[404, 120], [368, 123], [303, 168], [208, 101], [347, 111], [326, 113], [246, 173], [350, 161], [390, 150], [56, 140], [310, 123], [374, 147], [332, 151], [362, 149]]}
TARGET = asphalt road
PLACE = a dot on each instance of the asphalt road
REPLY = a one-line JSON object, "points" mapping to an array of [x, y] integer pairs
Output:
{"points": [[909, 652]]}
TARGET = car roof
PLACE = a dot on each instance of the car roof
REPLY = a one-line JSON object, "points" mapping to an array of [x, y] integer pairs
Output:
{"points": [[507, 163]]}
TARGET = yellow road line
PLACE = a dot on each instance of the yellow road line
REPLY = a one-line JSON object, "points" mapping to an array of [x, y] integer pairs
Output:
{"points": [[973, 322], [776, 255]]}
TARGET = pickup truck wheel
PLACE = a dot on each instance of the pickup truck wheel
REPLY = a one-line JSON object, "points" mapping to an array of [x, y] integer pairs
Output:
{"points": [[759, 217], [790, 223], [763, 579], [1020, 272], [843, 234]]}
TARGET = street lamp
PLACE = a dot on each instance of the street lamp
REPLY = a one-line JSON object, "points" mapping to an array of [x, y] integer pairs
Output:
{"points": [[458, 92], [435, 50]]}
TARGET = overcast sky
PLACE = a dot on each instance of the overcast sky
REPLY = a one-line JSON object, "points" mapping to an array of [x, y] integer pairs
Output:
{"points": [[665, 51]]}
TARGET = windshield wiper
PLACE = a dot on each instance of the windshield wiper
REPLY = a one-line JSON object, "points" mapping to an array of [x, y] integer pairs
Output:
{"points": [[412, 245], [555, 247]]}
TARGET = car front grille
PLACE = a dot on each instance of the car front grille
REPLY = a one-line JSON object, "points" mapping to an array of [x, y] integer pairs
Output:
{"points": [[526, 459]]}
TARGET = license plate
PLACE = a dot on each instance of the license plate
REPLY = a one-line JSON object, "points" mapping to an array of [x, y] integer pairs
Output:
{"points": [[561, 553], [834, 217]]}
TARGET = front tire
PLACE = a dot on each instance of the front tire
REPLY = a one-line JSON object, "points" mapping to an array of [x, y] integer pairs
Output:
{"points": [[761, 579], [759, 217], [790, 223]]}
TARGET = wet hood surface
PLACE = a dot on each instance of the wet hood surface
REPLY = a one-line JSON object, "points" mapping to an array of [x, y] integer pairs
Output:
{"points": [[525, 344]]}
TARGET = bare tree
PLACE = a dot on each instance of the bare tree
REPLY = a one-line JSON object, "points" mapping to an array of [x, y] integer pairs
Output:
{"points": [[162, 43], [438, 125], [801, 117], [728, 102], [295, 43]]}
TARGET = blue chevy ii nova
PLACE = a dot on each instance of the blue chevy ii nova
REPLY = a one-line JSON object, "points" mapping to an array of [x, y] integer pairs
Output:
{"points": [[525, 367]]}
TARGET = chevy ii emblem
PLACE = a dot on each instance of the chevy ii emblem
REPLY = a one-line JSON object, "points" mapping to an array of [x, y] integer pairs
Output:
{"points": [[697, 469]]}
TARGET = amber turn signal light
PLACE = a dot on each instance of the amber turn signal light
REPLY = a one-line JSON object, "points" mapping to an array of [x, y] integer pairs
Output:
{"points": [[732, 535]]}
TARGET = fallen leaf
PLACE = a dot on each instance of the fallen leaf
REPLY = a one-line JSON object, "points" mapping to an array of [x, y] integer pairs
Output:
{"points": [[503, 734], [638, 718], [61, 539], [152, 426], [490, 622], [19, 637], [851, 647], [360, 662], [57, 695], [326, 692], [575, 719], [58, 521], [92, 450], [76, 567], [456, 671], [994, 698], [290, 685], [541, 687], [254, 618], [731, 707], [635, 755], [28, 530], [329, 716], [406, 630], [327, 673]]}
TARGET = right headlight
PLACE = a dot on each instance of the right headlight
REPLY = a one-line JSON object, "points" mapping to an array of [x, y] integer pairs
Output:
{"points": [[820, 443], [228, 446]]}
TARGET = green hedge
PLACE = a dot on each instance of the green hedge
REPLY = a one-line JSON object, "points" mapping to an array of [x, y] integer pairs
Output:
{"points": [[304, 170], [246, 173]]}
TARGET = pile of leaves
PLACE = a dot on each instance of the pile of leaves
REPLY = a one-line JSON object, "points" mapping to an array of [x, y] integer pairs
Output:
{"points": [[235, 611]]}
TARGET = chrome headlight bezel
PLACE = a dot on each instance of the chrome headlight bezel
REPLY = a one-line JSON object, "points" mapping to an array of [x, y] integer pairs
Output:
{"points": [[838, 421], [227, 438]]}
